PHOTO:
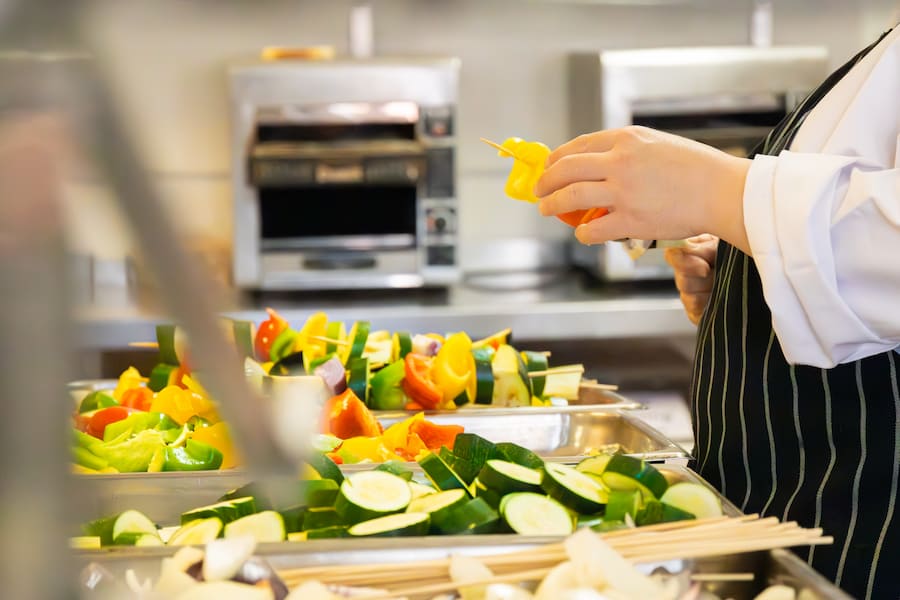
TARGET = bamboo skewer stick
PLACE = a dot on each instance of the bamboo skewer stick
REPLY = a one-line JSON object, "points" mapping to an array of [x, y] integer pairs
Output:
{"points": [[143, 344], [665, 541], [557, 371], [592, 384], [497, 146]]}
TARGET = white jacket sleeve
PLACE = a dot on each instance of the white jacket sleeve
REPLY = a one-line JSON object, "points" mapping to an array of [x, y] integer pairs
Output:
{"points": [[823, 222]]}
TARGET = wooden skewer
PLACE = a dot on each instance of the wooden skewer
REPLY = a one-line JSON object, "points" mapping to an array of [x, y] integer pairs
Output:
{"points": [[143, 344], [593, 385], [500, 148], [557, 371], [328, 340]]}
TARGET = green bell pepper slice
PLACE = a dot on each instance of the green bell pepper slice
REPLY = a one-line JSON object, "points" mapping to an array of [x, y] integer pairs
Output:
{"points": [[137, 422], [96, 400], [386, 393], [193, 456], [130, 455]]}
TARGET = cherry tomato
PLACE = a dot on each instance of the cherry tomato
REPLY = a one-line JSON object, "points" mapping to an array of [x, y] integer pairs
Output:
{"points": [[97, 425], [267, 332], [418, 384], [139, 398]]}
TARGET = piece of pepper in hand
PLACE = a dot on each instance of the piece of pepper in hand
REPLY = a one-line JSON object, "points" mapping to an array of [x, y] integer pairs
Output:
{"points": [[528, 166]]}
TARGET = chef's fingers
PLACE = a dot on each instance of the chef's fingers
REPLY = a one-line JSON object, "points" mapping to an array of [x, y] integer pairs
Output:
{"points": [[685, 263], [693, 285], [598, 141], [572, 169], [704, 246], [581, 195], [694, 305], [607, 228]]}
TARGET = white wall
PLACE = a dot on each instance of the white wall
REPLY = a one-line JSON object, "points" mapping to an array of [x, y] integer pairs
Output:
{"points": [[167, 60]]}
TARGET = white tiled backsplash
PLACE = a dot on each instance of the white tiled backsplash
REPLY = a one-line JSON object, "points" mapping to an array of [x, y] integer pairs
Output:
{"points": [[168, 58]]}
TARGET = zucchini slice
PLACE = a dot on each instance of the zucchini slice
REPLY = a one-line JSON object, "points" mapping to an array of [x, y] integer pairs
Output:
{"points": [[573, 489], [621, 503], [401, 345], [197, 533], [336, 331], [266, 526], [536, 361], [519, 455], [325, 467], [438, 505], [336, 531], [693, 498], [625, 472], [484, 378], [131, 522], [371, 494], [420, 489], [358, 379], [535, 514], [319, 518], [594, 465], [403, 524], [441, 475], [475, 516], [359, 334], [506, 477], [512, 387]]}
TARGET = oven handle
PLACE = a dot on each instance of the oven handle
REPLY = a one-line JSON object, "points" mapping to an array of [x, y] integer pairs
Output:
{"points": [[338, 262]]}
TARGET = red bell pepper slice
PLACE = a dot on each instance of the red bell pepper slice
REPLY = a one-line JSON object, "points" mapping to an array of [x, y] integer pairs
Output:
{"points": [[139, 398], [418, 384], [267, 332], [580, 217], [100, 419]]}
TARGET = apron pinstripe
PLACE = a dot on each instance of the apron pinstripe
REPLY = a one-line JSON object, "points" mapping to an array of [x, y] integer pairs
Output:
{"points": [[819, 446]]}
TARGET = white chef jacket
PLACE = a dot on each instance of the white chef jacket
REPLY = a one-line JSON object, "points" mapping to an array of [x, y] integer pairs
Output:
{"points": [[823, 220]]}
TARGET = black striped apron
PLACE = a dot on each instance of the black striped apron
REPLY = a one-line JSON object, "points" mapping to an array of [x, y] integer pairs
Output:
{"points": [[819, 446]]}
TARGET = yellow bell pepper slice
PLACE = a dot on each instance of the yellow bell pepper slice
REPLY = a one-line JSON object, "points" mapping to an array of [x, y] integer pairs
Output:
{"points": [[219, 437], [130, 378], [181, 404], [454, 366], [529, 160]]}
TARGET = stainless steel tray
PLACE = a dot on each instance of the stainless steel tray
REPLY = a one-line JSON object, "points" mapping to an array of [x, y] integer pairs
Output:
{"points": [[588, 397], [771, 567], [163, 497], [556, 436]]}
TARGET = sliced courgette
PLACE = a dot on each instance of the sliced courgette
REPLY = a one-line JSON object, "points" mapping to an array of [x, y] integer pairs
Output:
{"points": [[621, 503], [438, 505], [395, 467], [197, 533], [475, 516], [319, 518], [403, 524], [420, 489], [506, 477], [266, 526], [512, 387], [484, 378], [573, 489], [325, 467], [336, 531], [401, 345], [130, 523], [535, 514], [625, 472], [371, 494], [243, 332], [335, 332], [356, 342], [441, 475], [594, 465], [519, 455], [535, 362], [693, 498], [358, 378]]}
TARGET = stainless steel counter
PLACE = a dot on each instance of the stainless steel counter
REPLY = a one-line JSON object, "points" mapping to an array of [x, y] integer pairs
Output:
{"points": [[538, 308]]}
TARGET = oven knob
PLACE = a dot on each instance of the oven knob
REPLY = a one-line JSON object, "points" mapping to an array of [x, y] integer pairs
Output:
{"points": [[440, 224]]}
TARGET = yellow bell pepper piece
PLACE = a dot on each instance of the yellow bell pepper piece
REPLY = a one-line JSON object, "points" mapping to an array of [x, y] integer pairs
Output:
{"points": [[396, 435], [130, 378], [219, 437], [181, 404], [528, 165], [314, 327], [359, 449], [454, 366]]}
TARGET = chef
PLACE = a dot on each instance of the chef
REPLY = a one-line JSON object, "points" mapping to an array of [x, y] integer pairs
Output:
{"points": [[794, 280]]}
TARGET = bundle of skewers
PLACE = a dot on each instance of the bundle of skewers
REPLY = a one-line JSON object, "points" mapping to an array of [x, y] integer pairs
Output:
{"points": [[585, 559]]}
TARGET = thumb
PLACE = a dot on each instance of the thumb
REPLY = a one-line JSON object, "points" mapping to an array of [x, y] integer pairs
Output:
{"points": [[603, 229]]}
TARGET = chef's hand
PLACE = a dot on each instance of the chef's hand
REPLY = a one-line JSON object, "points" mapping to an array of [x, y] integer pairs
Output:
{"points": [[657, 186], [694, 266]]}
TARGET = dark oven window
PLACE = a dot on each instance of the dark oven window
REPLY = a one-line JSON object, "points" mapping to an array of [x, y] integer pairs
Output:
{"points": [[327, 211]]}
